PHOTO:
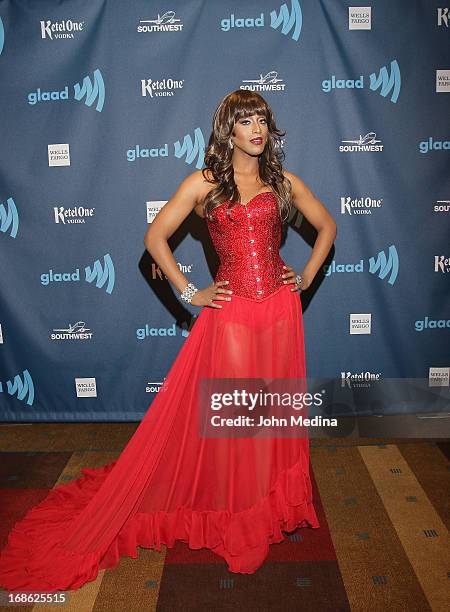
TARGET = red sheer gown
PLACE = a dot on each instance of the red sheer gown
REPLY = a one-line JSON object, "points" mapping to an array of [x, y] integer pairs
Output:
{"points": [[231, 495]]}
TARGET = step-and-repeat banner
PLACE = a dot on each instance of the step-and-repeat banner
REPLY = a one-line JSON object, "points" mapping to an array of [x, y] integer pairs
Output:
{"points": [[106, 107]]}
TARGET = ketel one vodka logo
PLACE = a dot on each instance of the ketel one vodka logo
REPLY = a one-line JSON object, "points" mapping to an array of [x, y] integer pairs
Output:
{"points": [[102, 276], [360, 379], [288, 22], [443, 17], [359, 206], [382, 266], [165, 87], [89, 91], [60, 29], [9, 218], [77, 214], [387, 83], [442, 263], [22, 387]]}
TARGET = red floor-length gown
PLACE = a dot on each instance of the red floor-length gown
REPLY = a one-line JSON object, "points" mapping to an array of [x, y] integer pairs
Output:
{"points": [[231, 495]]}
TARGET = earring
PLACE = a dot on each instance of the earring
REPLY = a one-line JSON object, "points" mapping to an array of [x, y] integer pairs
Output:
{"points": [[231, 144]]}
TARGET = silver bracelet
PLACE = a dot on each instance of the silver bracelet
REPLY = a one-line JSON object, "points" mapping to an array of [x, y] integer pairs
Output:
{"points": [[298, 279], [188, 293]]}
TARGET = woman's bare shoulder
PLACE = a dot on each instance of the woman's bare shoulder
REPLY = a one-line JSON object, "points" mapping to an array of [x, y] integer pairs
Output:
{"points": [[200, 184], [298, 185], [290, 175]]}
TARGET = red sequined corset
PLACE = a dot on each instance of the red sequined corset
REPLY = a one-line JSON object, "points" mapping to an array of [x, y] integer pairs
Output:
{"points": [[247, 240]]}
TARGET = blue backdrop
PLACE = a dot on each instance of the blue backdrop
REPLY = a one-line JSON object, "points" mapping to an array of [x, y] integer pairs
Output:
{"points": [[107, 106]]}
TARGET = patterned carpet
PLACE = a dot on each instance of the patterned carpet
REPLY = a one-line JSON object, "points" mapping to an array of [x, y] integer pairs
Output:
{"points": [[383, 543]]}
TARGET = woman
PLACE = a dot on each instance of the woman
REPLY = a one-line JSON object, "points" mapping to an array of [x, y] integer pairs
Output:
{"points": [[229, 493]]}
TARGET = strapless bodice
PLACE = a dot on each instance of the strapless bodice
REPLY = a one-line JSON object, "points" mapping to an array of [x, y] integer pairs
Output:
{"points": [[247, 240]]}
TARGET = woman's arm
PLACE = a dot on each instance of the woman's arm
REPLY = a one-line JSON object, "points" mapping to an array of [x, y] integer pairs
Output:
{"points": [[190, 193], [319, 217], [167, 221]]}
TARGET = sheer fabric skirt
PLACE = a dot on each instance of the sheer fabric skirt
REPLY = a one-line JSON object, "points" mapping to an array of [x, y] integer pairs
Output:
{"points": [[231, 495]]}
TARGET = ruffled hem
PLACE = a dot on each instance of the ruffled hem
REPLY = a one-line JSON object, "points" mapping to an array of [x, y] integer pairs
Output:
{"points": [[35, 559]]}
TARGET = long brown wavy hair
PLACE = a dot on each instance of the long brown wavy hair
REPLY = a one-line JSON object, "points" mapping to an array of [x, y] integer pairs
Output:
{"points": [[234, 106]]}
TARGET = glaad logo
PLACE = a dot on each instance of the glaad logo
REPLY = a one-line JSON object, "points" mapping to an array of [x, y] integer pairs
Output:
{"points": [[147, 331], [363, 144], [90, 90], [101, 276], [362, 379], [2, 36], [269, 82], [359, 206], [437, 145], [441, 263], [289, 22], [75, 331], [76, 214], [427, 323], [60, 29], [382, 266], [9, 218], [23, 388], [387, 82], [163, 23], [164, 87], [186, 328], [138, 151], [191, 149]]}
